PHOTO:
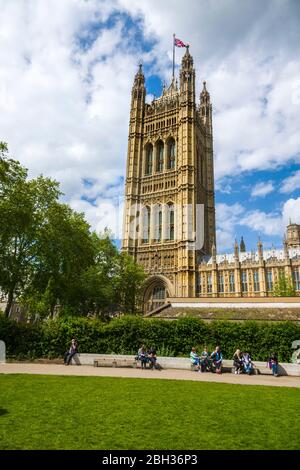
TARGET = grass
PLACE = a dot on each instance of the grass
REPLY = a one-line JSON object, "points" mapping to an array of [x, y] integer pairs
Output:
{"points": [[57, 412]]}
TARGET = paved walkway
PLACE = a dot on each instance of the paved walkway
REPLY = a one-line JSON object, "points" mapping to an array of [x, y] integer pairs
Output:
{"points": [[169, 374]]}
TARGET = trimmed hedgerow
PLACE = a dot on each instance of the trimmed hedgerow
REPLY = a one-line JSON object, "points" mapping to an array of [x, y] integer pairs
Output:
{"points": [[125, 335]]}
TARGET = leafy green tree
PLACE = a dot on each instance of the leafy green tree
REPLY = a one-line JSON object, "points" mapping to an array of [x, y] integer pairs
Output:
{"points": [[284, 287], [23, 205], [128, 284], [50, 260], [66, 250]]}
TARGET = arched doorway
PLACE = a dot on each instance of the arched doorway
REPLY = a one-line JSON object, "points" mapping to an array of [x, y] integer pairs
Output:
{"points": [[157, 289]]}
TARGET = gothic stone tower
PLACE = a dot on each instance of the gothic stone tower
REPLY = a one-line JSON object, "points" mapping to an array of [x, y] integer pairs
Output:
{"points": [[169, 213]]}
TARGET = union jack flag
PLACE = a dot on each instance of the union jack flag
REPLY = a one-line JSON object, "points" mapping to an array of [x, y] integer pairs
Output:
{"points": [[179, 43]]}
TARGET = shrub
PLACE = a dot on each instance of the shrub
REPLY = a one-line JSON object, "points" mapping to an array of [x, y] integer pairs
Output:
{"points": [[124, 335]]}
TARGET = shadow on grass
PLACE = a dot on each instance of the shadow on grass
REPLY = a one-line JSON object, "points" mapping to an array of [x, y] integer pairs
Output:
{"points": [[3, 412]]}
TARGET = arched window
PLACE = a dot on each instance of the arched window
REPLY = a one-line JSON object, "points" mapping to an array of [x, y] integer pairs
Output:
{"points": [[170, 222], [159, 156], [171, 154], [158, 223], [146, 224], [149, 160]]}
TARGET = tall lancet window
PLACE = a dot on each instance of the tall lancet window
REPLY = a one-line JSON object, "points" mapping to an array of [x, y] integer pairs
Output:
{"points": [[149, 160], [158, 223], [170, 223], [146, 224], [171, 154], [159, 156]]}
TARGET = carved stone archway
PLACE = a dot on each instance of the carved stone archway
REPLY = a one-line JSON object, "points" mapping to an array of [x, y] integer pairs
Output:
{"points": [[156, 289]]}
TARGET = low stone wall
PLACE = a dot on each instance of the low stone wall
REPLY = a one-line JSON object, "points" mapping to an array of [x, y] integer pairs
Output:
{"points": [[181, 363]]}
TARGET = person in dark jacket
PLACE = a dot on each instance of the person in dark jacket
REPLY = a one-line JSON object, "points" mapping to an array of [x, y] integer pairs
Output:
{"points": [[216, 358], [247, 363], [152, 358], [71, 353]]}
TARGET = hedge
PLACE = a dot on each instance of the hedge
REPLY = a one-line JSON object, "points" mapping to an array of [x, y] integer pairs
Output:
{"points": [[124, 335]]}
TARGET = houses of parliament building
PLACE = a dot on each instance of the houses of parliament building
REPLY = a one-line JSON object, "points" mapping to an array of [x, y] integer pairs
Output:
{"points": [[169, 215]]}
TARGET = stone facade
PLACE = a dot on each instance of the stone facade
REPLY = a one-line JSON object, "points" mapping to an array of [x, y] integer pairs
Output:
{"points": [[169, 214], [249, 274]]}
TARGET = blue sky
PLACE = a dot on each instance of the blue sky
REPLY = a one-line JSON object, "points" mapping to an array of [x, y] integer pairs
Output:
{"points": [[66, 71]]}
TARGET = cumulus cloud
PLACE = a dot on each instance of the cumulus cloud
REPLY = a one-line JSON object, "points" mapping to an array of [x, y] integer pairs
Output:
{"points": [[264, 223], [291, 183], [227, 217], [291, 211], [65, 97], [262, 189], [66, 69]]}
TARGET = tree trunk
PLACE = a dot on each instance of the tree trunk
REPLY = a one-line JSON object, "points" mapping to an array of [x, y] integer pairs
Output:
{"points": [[9, 302]]}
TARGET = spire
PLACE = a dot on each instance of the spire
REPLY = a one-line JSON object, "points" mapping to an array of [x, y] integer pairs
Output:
{"points": [[242, 246], [285, 248], [260, 249], [205, 106], [213, 251], [187, 76], [204, 95], [138, 92], [187, 60], [236, 250], [139, 79]]}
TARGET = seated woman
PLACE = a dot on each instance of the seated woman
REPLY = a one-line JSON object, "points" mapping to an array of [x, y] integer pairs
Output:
{"points": [[204, 360], [247, 363], [238, 362], [216, 358], [142, 356], [195, 359]]}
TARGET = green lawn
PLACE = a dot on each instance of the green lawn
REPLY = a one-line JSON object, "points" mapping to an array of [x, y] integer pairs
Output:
{"points": [[51, 412]]}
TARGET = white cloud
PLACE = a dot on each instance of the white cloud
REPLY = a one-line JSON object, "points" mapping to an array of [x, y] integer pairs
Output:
{"points": [[261, 222], [262, 189], [291, 211], [65, 108], [227, 217], [291, 183]]}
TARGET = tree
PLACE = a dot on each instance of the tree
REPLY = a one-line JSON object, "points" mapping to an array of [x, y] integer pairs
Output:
{"points": [[23, 205], [66, 250], [128, 283], [50, 258], [284, 287]]}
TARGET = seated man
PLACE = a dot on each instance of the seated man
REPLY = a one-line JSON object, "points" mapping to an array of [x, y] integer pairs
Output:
{"points": [[195, 360], [216, 358], [205, 360], [247, 363]]}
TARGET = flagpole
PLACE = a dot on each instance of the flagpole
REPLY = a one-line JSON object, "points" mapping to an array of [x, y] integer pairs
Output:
{"points": [[173, 55]]}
